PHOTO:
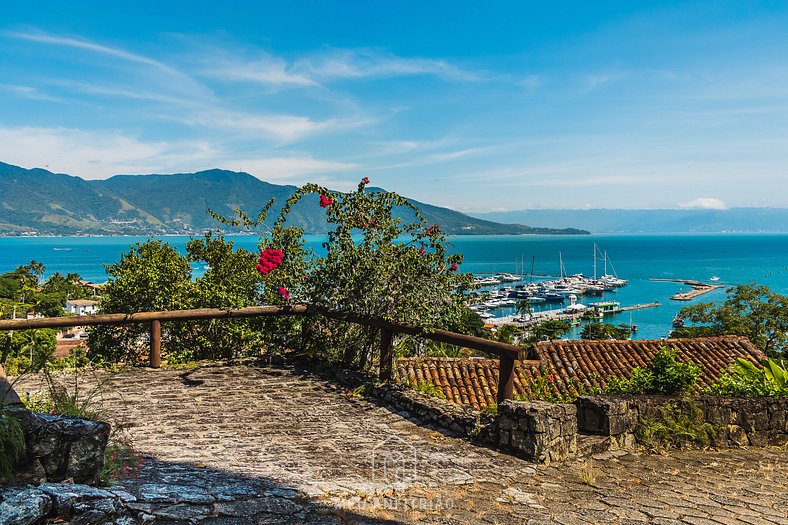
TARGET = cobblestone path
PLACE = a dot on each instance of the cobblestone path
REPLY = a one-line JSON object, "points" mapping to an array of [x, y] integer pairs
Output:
{"points": [[244, 445]]}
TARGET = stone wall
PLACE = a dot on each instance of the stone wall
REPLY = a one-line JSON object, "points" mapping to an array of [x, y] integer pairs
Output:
{"points": [[737, 421], [459, 420], [537, 430], [60, 448]]}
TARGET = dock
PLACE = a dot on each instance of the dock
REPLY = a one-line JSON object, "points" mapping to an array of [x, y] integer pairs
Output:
{"points": [[640, 306], [559, 315], [698, 288]]}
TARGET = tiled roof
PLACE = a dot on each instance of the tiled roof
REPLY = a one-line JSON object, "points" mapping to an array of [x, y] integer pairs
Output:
{"points": [[467, 381], [474, 381]]}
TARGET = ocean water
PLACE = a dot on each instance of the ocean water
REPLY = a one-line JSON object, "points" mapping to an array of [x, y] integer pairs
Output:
{"points": [[734, 258]]}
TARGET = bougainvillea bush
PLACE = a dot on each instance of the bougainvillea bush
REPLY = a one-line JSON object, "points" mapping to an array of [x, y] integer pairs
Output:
{"points": [[381, 258], [376, 263]]}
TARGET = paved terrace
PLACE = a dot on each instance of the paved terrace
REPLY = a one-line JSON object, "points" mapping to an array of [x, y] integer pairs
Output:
{"points": [[244, 445]]}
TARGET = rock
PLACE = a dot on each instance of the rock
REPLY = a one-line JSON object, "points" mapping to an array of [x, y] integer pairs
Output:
{"points": [[23, 507], [251, 507], [64, 447]]}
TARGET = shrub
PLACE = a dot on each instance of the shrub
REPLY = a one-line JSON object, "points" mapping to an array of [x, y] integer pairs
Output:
{"points": [[744, 379], [543, 388], [678, 424], [666, 375]]}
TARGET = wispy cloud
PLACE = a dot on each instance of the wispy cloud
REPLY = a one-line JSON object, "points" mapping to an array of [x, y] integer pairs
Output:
{"points": [[319, 69], [86, 45], [289, 169], [362, 63], [286, 128], [31, 93], [266, 69]]}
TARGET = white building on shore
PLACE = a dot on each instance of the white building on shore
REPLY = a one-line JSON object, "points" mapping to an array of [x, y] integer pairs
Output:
{"points": [[81, 307]]}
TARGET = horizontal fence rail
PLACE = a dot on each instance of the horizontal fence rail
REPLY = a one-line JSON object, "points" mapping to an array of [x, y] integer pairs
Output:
{"points": [[508, 354]]}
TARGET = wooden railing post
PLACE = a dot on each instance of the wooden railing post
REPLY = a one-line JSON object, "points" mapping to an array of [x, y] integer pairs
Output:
{"points": [[505, 379], [386, 353], [155, 344]]}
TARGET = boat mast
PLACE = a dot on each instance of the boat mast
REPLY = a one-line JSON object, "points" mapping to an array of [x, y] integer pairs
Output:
{"points": [[560, 265], [595, 261], [533, 260]]}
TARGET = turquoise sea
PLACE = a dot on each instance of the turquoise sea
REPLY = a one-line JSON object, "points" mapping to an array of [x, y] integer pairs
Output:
{"points": [[734, 258]]}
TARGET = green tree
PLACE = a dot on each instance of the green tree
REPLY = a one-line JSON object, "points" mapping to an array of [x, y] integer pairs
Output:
{"points": [[27, 350], [750, 310], [231, 281], [152, 276], [601, 331], [549, 330], [36, 268]]}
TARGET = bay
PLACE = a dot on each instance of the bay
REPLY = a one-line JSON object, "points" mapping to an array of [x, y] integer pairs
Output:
{"points": [[734, 258]]}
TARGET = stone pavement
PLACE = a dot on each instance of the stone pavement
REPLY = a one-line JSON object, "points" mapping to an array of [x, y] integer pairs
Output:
{"points": [[242, 445]]}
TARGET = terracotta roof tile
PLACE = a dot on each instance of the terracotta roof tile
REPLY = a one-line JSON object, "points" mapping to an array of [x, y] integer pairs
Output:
{"points": [[474, 381]]}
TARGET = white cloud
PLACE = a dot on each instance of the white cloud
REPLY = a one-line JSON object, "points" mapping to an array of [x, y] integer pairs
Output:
{"points": [[704, 203], [97, 154], [288, 168]]}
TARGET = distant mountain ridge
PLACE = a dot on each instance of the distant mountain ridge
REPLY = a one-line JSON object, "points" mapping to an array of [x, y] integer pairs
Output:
{"points": [[743, 220], [39, 201]]}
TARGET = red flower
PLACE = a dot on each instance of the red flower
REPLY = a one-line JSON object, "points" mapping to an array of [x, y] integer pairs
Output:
{"points": [[270, 259], [325, 202], [551, 378], [454, 267], [421, 250], [365, 180], [283, 292], [432, 229]]}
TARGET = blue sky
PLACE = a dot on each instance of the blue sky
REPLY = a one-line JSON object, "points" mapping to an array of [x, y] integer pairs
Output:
{"points": [[499, 105]]}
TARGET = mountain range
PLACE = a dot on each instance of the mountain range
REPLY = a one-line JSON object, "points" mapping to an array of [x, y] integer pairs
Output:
{"points": [[41, 202], [744, 220]]}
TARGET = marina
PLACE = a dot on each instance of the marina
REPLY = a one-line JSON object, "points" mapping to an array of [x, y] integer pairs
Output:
{"points": [[655, 266]]}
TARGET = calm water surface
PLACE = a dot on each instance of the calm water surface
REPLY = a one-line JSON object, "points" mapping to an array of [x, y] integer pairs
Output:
{"points": [[734, 258]]}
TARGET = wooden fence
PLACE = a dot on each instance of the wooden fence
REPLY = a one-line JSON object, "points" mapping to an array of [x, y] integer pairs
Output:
{"points": [[507, 354]]}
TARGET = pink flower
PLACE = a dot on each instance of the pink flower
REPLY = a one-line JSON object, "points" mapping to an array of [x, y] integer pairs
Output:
{"points": [[283, 292], [421, 250], [365, 180], [454, 267], [325, 202]]}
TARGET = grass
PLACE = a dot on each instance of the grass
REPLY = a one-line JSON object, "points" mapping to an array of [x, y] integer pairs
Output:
{"points": [[588, 473]]}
